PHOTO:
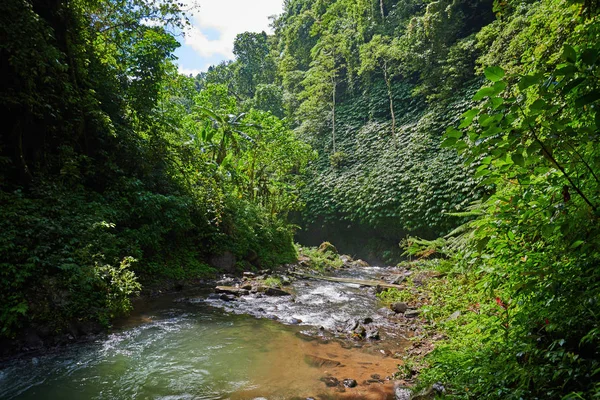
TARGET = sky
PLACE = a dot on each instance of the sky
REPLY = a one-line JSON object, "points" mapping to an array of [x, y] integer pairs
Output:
{"points": [[215, 23]]}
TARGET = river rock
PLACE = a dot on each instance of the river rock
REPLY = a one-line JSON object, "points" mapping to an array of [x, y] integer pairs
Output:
{"points": [[330, 381], [397, 279], [232, 290], [227, 297], [350, 325], [276, 292], [402, 392], [248, 274], [347, 260], [399, 307], [371, 332], [318, 362], [226, 281], [431, 392], [350, 383], [412, 313], [360, 263], [386, 312]]}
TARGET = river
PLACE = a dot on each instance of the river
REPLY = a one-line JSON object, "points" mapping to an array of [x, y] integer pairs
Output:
{"points": [[194, 346]]}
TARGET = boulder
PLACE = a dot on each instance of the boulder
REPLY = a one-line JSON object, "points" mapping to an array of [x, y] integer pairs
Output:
{"points": [[399, 307], [236, 291], [276, 292]]}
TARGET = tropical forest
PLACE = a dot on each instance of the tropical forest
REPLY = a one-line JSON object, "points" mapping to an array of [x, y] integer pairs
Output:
{"points": [[371, 199]]}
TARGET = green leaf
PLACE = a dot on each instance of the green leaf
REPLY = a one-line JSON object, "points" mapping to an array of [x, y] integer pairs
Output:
{"points": [[589, 56], [518, 159], [491, 131], [598, 119], [448, 142], [576, 244], [490, 91], [569, 54], [587, 99], [482, 172], [529, 80], [453, 133], [539, 104], [496, 102], [566, 70], [572, 85], [484, 92], [494, 74], [468, 118]]}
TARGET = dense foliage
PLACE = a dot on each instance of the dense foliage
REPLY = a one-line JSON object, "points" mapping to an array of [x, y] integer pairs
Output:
{"points": [[116, 170], [525, 270]]}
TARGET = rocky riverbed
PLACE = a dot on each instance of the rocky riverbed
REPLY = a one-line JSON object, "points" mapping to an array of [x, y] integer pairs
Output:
{"points": [[289, 334]]}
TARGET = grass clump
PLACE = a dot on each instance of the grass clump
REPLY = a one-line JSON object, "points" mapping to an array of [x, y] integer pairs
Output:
{"points": [[322, 258], [393, 295], [272, 282]]}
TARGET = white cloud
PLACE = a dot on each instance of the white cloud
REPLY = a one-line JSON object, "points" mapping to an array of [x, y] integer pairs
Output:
{"points": [[188, 71], [227, 18]]}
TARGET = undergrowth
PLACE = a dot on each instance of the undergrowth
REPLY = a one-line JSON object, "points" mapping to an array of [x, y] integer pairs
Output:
{"points": [[320, 260]]}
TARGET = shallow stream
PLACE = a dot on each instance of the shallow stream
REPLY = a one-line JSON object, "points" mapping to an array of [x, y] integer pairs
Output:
{"points": [[190, 346]]}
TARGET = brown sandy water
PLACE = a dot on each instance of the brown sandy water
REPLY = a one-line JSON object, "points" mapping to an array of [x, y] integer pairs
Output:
{"points": [[172, 348]]}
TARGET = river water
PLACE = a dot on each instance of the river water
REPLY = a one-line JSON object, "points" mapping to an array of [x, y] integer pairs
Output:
{"points": [[192, 346]]}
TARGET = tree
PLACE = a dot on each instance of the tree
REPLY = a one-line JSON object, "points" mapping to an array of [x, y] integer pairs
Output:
{"points": [[321, 81], [381, 52], [253, 65]]}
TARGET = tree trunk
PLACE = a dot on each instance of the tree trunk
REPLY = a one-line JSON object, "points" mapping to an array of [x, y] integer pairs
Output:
{"points": [[389, 89], [333, 113], [381, 9]]}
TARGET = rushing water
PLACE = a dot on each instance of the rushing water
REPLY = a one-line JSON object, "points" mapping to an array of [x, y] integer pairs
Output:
{"points": [[197, 348]]}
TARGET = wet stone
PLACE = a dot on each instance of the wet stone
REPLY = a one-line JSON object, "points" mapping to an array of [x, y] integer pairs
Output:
{"points": [[330, 381], [399, 307], [276, 292], [412, 313], [350, 383]]}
